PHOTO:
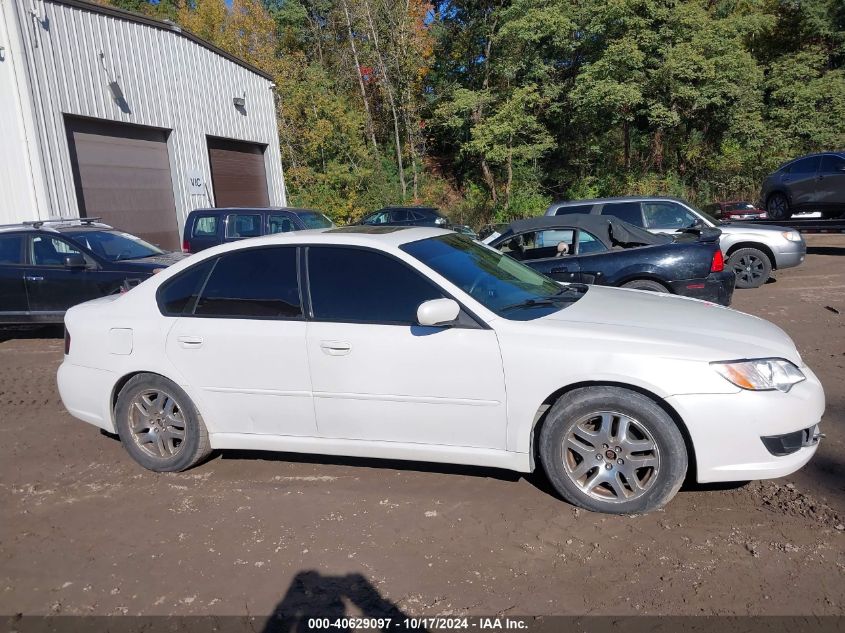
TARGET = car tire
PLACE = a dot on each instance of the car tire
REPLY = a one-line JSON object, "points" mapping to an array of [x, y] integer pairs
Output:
{"points": [[646, 284], [578, 450], [751, 266], [159, 426], [777, 207]]}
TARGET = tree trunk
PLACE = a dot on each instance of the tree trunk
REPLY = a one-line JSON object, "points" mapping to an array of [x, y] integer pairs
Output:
{"points": [[626, 134], [509, 181], [370, 127]]}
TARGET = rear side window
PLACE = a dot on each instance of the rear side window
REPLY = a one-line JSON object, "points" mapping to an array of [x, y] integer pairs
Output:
{"points": [[205, 226], [630, 212], [243, 225], [179, 295], [832, 164], [254, 283], [577, 208], [352, 285], [10, 249]]}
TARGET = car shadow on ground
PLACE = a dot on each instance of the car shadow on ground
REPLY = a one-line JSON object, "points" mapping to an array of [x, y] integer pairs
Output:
{"points": [[314, 601], [14, 332], [826, 250]]}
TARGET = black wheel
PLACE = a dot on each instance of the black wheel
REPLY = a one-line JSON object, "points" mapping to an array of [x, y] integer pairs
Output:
{"points": [[613, 450], [646, 284], [777, 207], [751, 266], [159, 425]]}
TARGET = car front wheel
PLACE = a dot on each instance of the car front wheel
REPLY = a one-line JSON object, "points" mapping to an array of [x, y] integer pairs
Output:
{"points": [[159, 426], [751, 266], [610, 449]]}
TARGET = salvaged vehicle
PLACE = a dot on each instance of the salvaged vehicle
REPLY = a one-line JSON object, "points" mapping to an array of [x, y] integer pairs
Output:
{"points": [[815, 182], [604, 250], [421, 344], [406, 216]]}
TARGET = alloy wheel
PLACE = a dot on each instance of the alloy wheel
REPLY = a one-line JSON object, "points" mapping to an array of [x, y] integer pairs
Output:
{"points": [[157, 423], [749, 269]]}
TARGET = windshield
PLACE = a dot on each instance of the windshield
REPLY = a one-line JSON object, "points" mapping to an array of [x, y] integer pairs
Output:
{"points": [[503, 285], [314, 220], [115, 246]]}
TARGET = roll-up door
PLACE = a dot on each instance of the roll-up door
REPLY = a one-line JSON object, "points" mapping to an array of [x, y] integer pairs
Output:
{"points": [[237, 173]]}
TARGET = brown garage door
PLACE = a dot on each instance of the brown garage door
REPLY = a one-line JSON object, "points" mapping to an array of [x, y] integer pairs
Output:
{"points": [[122, 175], [237, 173]]}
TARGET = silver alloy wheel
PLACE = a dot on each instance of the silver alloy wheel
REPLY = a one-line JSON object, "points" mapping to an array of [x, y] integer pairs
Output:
{"points": [[611, 457], [748, 268], [157, 423]]}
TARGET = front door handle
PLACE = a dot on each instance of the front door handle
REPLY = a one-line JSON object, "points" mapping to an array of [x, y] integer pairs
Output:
{"points": [[190, 342], [560, 269], [33, 278], [335, 348]]}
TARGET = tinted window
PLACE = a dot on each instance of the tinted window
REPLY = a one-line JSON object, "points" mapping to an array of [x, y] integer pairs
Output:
{"points": [[805, 166], [589, 243], [243, 225], [10, 249], [314, 220], [667, 215], [628, 211], [114, 245], [259, 282], [356, 285], [178, 295], [399, 215], [832, 164], [45, 250], [382, 217], [205, 226], [578, 208], [280, 224]]}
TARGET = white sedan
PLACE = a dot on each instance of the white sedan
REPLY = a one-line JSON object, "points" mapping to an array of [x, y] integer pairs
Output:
{"points": [[418, 343]]}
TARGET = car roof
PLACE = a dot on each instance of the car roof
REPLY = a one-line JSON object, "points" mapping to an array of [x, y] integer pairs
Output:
{"points": [[607, 228], [594, 201], [254, 209], [56, 226]]}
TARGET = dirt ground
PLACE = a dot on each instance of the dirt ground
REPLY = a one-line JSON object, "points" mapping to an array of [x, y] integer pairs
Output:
{"points": [[86, 531]]}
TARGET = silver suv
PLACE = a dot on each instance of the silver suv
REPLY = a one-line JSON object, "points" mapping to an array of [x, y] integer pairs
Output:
{"points": [[752, 251], [815, 182]]}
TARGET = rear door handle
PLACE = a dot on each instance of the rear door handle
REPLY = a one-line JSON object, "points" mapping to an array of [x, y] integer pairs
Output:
{"points": [[33, 278], [335, 348], [190, 342]]}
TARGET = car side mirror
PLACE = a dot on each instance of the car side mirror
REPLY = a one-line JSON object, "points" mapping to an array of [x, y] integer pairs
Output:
{"points": [[75, 260], [438, 312]]}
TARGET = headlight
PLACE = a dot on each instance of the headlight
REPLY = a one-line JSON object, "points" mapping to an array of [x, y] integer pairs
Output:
{"points": [[762, 374], [792, 236]]}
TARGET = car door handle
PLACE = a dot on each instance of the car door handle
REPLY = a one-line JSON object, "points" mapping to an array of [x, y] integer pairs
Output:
{"points": [[559, 269], [335, 348], [33, 278], [190, 342]]}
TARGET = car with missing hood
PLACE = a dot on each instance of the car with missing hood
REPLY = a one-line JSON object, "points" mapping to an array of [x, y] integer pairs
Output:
{"points": [[751, 251], [421, 344], [48, 266], [604, 250]]}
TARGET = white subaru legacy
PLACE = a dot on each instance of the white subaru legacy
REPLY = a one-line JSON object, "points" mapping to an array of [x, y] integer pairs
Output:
{"points": [[420, 344]]}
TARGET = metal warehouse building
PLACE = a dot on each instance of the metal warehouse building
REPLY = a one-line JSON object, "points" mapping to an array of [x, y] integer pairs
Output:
{"points": [[105, 113]]}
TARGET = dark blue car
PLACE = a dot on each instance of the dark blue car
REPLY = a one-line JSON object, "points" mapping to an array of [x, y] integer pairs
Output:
{"points": [[205, 228], [606, 251]]}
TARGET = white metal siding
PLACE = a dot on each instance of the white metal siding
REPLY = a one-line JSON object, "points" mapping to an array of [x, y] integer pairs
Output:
{"points": [[168, 81]]}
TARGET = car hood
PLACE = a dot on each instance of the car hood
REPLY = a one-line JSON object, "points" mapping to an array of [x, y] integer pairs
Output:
{"points": [[148, 264], [673, 325], [747, 227]]}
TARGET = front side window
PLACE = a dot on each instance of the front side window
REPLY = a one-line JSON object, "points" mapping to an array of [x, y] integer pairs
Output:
{"points": [[400, 215], [314, 220], [243, 225], [45, 250], [667, 215], [115, 246], [805, 166], [540, 244], [205, 226], [280, 224], [11, 249], [353, 285], [253, 283], [498, 282], [589, 243], [629, 212], [382, 217]]}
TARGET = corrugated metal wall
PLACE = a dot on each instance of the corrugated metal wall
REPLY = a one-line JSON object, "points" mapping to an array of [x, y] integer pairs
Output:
{"points": [[167, 81]]}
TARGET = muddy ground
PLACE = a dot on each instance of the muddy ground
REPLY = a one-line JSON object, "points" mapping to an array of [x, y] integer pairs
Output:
{"points": [[86, 531]]}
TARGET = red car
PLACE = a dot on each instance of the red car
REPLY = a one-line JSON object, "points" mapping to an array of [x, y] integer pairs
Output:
{"points": [[735, 210]]}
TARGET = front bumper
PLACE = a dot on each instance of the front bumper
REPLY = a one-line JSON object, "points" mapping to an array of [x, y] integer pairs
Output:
{"points": [[727, 430], [716, 287], [790, 254]]}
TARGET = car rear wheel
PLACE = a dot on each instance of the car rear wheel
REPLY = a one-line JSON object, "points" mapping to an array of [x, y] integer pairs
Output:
{"points": [[646, 284], [751, 266], [609, 449], [159, 426], [777, 207]]}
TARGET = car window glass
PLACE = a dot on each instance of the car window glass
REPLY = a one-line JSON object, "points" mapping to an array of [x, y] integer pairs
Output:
{"points": [[805, 166], [281, 224], [10, 249], [628, 211], [667, 215], [205, 226], [832, 164], [178, 295], [399, 215], [416, 215], [378, 218], [243, 225], [589, 243], [578, 208], [45, 250], [115, 245], [258, 282], [314, 219], [362, 286], [540, 244]]}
